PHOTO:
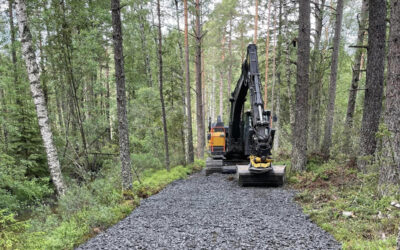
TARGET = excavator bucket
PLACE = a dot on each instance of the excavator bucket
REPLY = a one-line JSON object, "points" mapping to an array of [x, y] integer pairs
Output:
{"points": [[275, 177]]}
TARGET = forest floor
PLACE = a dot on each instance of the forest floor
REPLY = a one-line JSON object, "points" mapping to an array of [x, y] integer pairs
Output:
{"points": [[347, 204], [214, 212]]}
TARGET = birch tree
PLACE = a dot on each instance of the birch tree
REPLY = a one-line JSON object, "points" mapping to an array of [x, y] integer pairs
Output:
{"points": [[38, 98]]}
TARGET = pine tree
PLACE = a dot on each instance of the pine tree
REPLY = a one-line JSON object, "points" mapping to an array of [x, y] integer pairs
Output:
{"points": [[374, 82], [299, 151], [123, 130]]}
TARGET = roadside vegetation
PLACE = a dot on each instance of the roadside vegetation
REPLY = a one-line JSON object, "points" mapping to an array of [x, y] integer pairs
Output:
{"points": [[347, 203], [97, 101], [85, 210]]}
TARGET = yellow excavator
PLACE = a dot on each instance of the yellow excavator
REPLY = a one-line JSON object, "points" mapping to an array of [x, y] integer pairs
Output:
{"points": [[245, 145]]}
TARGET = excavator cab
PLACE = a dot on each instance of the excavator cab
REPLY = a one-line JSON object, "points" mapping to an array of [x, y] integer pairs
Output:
{"points": [[217, 138]]}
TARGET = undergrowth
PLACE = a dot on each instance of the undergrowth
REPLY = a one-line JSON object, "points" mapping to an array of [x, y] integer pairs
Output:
{"points": [[85, 210], [347, 204]]}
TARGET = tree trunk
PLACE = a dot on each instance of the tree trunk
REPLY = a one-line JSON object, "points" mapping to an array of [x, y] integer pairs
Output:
{"points": [[390, 168], [267, 58], [185, 131], [242, 30], [351, 104], [374, 81], [108, 100], [3, 124], [160, 81], [13, 46], [221, 77], [66, 40], [199, 94], [221, 95], [38, 98], [143, 39], [315, 80], [188, 97], [288, 70], [203, 90], [212, 101], [273, 70], [124, 149], [255, 23], [230, 63], [299, 151], [278, 76], [330, 112]]}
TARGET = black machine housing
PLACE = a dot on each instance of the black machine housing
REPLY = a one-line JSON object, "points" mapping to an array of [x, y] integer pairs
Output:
{"points": [[249, 132]]}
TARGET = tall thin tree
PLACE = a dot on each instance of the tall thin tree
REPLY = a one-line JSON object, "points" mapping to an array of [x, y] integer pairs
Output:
{"points": [[255, 23], [330, 112], [390, 169], [316, 79], [299, 136], [221, 75], [188, 95], [123, 129], [185, 133], [160, 81], [199, 93], [351, 104], [267, 57], [374, 82], [38, 98]]}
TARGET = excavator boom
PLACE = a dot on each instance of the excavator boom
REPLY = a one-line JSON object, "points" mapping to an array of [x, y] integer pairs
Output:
{"points": [[249, 138]]}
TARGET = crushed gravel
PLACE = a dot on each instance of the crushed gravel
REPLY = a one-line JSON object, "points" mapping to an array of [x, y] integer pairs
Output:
{"points": [[213, 212]]}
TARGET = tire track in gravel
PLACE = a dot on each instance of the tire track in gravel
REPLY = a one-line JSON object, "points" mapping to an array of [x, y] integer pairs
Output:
{"points": [[211, 212]]}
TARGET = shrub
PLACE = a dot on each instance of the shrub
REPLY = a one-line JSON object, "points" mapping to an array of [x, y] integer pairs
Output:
{"points": [[18, 191], [9, 229]]}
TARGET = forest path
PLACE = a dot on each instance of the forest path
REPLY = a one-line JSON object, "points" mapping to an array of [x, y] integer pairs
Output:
{"points": [[212, 212]]}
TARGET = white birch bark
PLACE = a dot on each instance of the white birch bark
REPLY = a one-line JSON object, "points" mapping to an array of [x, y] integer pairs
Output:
{"points": [[38, 97]]}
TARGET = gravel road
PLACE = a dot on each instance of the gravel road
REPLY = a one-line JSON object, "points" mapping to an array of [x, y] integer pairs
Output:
{"points": [[212, 212]]}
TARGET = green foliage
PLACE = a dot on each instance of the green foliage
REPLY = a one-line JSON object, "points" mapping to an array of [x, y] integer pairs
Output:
{"points": [[329, 189], [84, 210], [9, 227], [17, 191]]}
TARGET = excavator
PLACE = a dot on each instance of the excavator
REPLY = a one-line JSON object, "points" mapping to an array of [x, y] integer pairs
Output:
{"points": [[245, 146]]}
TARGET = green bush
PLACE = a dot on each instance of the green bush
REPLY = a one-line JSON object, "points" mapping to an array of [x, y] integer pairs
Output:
{"points": [[98, 204], [17, 191], [9, 229]]}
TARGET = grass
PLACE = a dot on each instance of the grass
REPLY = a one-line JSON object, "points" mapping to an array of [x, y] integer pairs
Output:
{"points": [[326, 190], [85, 210]]}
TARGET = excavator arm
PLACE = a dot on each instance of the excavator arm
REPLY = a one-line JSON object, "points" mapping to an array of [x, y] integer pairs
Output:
{"points": [[250, 134], [249, 137]]}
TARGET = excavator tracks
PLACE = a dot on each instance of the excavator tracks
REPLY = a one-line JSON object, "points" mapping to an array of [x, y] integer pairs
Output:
{"points": [[213, 166]]}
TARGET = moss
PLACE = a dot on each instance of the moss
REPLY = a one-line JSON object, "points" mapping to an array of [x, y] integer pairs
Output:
{"points": [[328, 189]]}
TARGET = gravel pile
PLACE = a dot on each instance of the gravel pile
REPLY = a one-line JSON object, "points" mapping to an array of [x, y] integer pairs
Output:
{"points": [[205, 212]]}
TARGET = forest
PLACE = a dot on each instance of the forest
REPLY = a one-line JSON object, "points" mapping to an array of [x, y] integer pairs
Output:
{"points": [[104, 103]]}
